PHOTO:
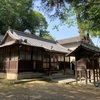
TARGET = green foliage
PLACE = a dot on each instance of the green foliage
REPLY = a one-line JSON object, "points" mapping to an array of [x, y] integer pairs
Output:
{"points": [[89, 16], [87, 13], [46, 35], [18, 15]]}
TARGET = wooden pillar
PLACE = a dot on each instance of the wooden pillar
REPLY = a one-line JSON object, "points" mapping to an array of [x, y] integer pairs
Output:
{"points": [[64, 66], [70, 64], [97, 73], [99, 69], [32, 58], [19, 51], [93, 70], [42, 58], [86, 76], [8, 60], [89, 75], [89, 72], [50, 64], [18, 56], [19, 46], [76, 76]]}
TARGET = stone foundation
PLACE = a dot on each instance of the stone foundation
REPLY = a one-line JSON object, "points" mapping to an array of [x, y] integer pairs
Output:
{"points": [[24, 75], [8, 76], [29, 75], [11, 76]]}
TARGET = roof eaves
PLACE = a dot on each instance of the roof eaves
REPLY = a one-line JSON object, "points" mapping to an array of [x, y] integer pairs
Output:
{"points": [[8, 44], [91, 47], [88, 47]]}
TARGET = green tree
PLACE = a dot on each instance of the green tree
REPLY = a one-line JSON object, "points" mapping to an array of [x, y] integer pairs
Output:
{"points": [[18, 14], [46, 35], [87, 13]]}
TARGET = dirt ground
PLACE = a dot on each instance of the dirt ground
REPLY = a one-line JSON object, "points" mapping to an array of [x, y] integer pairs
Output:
{"points": [[40, 90]]}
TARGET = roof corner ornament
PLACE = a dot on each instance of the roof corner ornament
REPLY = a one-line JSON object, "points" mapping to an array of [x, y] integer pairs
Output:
{"points": [[25, 40], [87, 36], [18, 40], [56, 41], [51, 47]]}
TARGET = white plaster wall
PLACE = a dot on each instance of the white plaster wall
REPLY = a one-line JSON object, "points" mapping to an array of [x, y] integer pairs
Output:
{"points": [[71, 46]]}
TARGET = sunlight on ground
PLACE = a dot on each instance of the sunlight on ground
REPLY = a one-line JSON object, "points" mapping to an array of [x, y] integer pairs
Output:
{"points": [[37, 82], [42, 90]]}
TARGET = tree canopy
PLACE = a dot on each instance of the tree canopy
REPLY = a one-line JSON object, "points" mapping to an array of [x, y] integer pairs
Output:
{"points": [[18, 14], [46, 35], [87, 13]]}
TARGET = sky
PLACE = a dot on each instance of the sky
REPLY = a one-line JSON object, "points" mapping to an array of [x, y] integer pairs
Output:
{"points": [[64, 31]]}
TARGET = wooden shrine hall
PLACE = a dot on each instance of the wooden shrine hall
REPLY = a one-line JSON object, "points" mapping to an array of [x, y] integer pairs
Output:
{"points": [[87, 64], [22, 55]]}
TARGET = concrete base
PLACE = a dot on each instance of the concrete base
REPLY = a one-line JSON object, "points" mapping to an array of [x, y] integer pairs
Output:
{"points": [[11, 76]]}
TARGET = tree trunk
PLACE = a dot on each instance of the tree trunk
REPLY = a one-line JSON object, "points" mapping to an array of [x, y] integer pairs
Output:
{"points": [[81, 31]]}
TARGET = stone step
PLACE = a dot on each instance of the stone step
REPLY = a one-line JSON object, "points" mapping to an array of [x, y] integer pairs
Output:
{"points": [[64, 80]]}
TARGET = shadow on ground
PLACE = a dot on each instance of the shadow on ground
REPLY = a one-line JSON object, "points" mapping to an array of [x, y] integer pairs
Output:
{"points": [[41, 90]]}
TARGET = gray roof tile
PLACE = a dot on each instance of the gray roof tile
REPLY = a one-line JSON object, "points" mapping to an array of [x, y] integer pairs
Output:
{"points": [[69, 40], [36, 41]]}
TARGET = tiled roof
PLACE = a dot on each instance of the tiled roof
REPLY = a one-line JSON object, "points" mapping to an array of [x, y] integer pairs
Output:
{"points": [[69, 40], [88, 47], [35, 41], [75, 40]]}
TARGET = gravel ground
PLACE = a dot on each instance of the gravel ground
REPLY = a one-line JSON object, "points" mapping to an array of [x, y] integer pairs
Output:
{"points": [[40, 90]]}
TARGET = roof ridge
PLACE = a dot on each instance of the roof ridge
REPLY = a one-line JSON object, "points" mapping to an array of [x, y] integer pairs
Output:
{"points": [[33, 41], [32, 36], [69, 38]]}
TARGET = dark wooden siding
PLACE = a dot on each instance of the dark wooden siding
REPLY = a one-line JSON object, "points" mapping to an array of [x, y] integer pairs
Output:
{"points": [[24, 66], [9, 59]]}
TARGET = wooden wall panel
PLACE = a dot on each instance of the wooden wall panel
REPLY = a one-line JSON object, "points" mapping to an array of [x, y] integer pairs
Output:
{"points": [[24, 66]]}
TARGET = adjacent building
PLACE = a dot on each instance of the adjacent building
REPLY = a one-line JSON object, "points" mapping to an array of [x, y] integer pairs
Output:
{"points": [[84, 58]]}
